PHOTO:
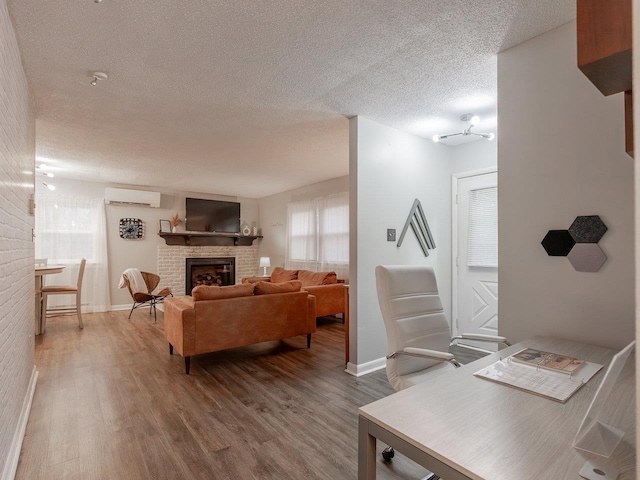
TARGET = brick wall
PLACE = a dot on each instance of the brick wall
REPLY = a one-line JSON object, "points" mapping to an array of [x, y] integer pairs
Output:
{"points": [[17, 155], [171, 262]]}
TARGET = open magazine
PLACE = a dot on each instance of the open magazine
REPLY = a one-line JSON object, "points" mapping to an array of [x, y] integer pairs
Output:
{"points": [[548, 360]]}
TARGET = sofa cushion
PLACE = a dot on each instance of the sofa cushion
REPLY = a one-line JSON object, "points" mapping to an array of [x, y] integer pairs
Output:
{"points": [[205, 292], [266, 288], [279, 275], [309, 279]]}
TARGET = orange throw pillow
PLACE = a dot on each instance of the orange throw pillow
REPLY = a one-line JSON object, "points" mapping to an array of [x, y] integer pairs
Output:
{"points": [[310, 279], [267, 288], [205, 292], [279, 275]]}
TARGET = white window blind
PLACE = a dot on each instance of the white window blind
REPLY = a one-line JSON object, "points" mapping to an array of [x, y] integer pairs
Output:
{"points": [[482, 245], [318, 234]]}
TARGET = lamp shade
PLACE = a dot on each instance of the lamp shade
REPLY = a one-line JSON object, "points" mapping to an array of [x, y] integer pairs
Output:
{"points": [[265, 262]]}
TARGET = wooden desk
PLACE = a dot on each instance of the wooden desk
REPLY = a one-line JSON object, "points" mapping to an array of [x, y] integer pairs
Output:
{"points": [[463, 427], [40, 272]]}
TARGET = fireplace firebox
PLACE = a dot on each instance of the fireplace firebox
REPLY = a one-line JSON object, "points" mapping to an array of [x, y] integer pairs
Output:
{"points": [[217, 271]]}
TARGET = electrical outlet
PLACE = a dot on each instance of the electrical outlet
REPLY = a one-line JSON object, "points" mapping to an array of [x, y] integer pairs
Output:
{"points": [[391, 234]]}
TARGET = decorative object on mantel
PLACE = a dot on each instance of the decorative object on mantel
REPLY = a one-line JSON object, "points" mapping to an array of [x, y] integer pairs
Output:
{"points": [[254, 229], [245, 229], [265, 262], [175, 223], [579, 243], [420, 227], [165, 226], [131, 228]]}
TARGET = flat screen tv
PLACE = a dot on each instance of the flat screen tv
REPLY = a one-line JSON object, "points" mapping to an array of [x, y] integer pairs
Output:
{"points": [[212, 216]]}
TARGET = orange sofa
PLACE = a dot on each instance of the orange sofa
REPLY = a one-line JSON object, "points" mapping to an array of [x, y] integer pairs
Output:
{"points": [[218, 318], [332, 295]]}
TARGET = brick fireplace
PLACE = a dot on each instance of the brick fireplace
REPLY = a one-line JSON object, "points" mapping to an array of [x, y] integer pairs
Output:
{"points": [[172, 262]]}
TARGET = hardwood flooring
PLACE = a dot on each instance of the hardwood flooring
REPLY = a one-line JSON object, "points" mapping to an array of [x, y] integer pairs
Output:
{"points": [[111, 403]]}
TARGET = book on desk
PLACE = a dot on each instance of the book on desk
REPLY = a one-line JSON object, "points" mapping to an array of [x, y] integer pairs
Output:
{"points": [[550, 375]]}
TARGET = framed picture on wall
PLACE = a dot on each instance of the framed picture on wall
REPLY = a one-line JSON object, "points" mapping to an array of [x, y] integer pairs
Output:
{"points": [[165, 226]]}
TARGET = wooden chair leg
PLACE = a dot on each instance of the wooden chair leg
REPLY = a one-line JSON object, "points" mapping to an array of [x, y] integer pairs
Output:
{"points": [[44, 311], [308, 340], [170, 349], [79, 311]]}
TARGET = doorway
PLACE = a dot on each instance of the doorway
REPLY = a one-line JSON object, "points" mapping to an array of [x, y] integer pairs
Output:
{"points": [[475, 255]]}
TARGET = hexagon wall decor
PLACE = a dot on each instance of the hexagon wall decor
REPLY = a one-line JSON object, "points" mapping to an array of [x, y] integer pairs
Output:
{"points": [[587, 257], [558, 243], [587, 229], [579, 243]]}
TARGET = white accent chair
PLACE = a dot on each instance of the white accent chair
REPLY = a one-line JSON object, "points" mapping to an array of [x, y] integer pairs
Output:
{"points": [[64, 290], [418, 333]]}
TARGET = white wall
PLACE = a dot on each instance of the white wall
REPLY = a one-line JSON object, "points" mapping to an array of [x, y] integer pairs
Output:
{"points": [[388, 170], [17, 154], [560, 155], [472, 156], [273, 215], [143, 253], [636, 125]]}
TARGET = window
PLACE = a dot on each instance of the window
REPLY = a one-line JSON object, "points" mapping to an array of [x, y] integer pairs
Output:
{"points": [[483, 228], [68, 229], [318, 234]]}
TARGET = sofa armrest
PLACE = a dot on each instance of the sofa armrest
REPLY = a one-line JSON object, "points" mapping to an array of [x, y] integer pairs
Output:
{"points": [[255, 279], [180, 324], [330, 299], [311, 313]]}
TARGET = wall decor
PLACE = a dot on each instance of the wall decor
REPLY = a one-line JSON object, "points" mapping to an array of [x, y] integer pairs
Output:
{"points": [[579, 243], [131, 228], [165, 226], [420, 227]]}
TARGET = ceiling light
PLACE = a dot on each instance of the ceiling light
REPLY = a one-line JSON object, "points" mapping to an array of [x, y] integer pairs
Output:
{"points": [[49, 186], [97, 1], [471, 121], [98, 76]]}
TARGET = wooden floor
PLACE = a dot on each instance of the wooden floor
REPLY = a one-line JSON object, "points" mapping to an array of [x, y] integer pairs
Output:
{"points": [[111, 403]]}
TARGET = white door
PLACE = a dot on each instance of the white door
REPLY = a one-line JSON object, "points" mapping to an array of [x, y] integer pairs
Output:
{"points": [[476, 257]]}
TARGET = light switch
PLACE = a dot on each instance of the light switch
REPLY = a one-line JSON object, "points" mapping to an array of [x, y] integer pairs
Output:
{"points": [[391, 234]]}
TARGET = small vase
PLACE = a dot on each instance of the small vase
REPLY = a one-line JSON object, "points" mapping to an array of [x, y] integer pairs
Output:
{"points": [[174, 229]]}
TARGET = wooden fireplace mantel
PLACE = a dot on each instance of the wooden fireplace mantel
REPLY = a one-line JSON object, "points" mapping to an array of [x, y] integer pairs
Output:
{"points": [[204, 239]]}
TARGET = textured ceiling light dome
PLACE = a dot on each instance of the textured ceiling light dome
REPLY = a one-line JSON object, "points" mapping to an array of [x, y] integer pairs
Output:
{"points": [[471, 120]]}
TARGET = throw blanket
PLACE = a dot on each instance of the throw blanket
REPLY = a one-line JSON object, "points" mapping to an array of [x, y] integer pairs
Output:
{"points": [[136, 282]]}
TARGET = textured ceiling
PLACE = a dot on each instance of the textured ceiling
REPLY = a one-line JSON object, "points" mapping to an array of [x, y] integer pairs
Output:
{"points": [[251, 98]]}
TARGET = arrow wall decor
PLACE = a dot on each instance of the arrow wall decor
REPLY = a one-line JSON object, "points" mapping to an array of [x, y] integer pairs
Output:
{"points": [[420, 227]]}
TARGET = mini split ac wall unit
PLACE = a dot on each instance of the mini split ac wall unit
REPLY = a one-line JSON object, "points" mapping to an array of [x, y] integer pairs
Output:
{"points": [[122, 196]]}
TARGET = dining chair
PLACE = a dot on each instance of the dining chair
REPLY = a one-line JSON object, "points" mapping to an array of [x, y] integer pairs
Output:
{"points": [[418, 332], [64, 290]]}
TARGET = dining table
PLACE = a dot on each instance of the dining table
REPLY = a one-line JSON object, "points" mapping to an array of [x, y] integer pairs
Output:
{"points": [[40, 272]]}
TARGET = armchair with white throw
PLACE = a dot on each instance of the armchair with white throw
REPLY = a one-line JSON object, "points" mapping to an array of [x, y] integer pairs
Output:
{"points": [[418, 333]]}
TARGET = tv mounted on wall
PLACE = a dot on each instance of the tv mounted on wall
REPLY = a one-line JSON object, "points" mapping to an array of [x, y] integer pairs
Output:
{"points": [[212, 216]]}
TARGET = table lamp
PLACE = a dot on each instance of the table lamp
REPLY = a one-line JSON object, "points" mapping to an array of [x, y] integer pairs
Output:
{"points": [[264, 263]]}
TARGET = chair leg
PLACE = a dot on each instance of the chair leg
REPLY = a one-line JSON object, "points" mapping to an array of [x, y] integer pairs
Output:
{"points": [[79, 311], [134, 306], [308, 340], [44, 312], [170, 349], [155, 312], [187, 364]]}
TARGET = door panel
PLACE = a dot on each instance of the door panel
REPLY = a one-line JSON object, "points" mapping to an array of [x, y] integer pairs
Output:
{"points": [[477, 284]]}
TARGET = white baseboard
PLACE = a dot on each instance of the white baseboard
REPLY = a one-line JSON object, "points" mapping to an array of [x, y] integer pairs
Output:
{"points": [[120, 307], [128, 307], [368, 367], [11, 466]]}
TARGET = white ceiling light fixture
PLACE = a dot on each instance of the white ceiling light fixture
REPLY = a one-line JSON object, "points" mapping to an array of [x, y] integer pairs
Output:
{"points": [[98, 76], [471, 120]]}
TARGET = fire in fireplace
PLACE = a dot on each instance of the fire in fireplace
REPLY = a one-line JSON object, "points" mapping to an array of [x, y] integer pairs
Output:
{"points": [[209, 271]]}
